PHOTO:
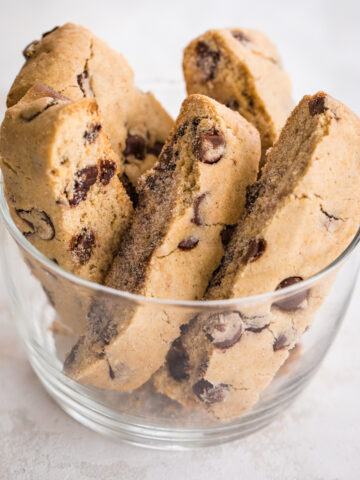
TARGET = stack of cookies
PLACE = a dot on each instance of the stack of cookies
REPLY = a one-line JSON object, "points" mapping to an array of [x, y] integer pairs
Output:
{"points": [[238, 197]]}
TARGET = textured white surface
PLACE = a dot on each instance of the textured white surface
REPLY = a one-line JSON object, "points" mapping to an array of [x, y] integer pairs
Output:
{"points": [[318, 438]]}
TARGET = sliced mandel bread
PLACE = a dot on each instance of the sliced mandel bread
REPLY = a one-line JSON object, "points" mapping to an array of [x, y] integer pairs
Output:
{"points": [[74, 62], [300, 215], [186, 205], [61, 181], [242, 69]]}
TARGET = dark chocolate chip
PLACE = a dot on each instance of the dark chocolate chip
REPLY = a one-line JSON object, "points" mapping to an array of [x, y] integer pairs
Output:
{"points": [[252, 193], [317, 105], [82, 245], [209, 393], [224, 329], [181, 130], [241, 37], [210, 147], [50, 31], [207, 60], [92, 133], [167, 154], [256, 249], [155, 149], [130, 189], [195, 124], [226, 234], [111, 372], [71, 357], [197, 219], [294, 301], [188, 243], [30, 50], [83, 80], [135, 145], [29, 115], [233, 104], [178, 361], [107, 171], [85, 178], [39, 222], [280, 342]]}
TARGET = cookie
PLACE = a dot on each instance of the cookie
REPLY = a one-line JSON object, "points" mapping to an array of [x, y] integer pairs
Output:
{"points": [[300, 215], [242, 69], [186, 204], [61, 181], [73, 61]]}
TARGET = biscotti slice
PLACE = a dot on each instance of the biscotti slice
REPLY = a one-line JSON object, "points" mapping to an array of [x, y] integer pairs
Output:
{"points": [[186, 202], [61, 181], [242, 69], [301, 214], [74, 62]]}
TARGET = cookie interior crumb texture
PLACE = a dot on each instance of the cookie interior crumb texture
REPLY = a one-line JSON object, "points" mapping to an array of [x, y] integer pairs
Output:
{"points": [[175, 242], [300, 215], [242, 69], [73, 61]]}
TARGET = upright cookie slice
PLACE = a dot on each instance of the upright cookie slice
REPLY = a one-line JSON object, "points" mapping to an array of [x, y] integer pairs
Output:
{"points": [[186, 202], [242, 69], [73, 61], [301, 214], [61, 180]]}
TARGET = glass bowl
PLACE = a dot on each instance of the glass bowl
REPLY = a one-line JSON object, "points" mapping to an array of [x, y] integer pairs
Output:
{"points": [[46, 300]]}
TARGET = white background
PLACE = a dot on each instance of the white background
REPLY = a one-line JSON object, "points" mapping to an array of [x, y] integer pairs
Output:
{"points": [[316, 439]]}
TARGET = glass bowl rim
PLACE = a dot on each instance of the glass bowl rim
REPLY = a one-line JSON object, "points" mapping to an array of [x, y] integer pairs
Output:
{"points": [[140, 299]]}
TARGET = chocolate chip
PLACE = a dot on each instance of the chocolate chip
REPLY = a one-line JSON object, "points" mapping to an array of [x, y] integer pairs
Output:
{"points": [[252, 193], [135, 145], [209, 393], [224, 329], [91, 135], [226, 234], [82, 245], [130, 189], [178, 361], [181, 130], [50, 31], [207, 60], [294, 301], [188, 243], [233, 104], [33, 111], [197, 219], [195, 124], [155, 149], [167, 154], [39, 222], [83, 80], [280, 342], [241, 37], [30, 50], [85, 178], [107, 171], [71, 357], [256, 249], [210, 147], [317, 105], [111, 372]]}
